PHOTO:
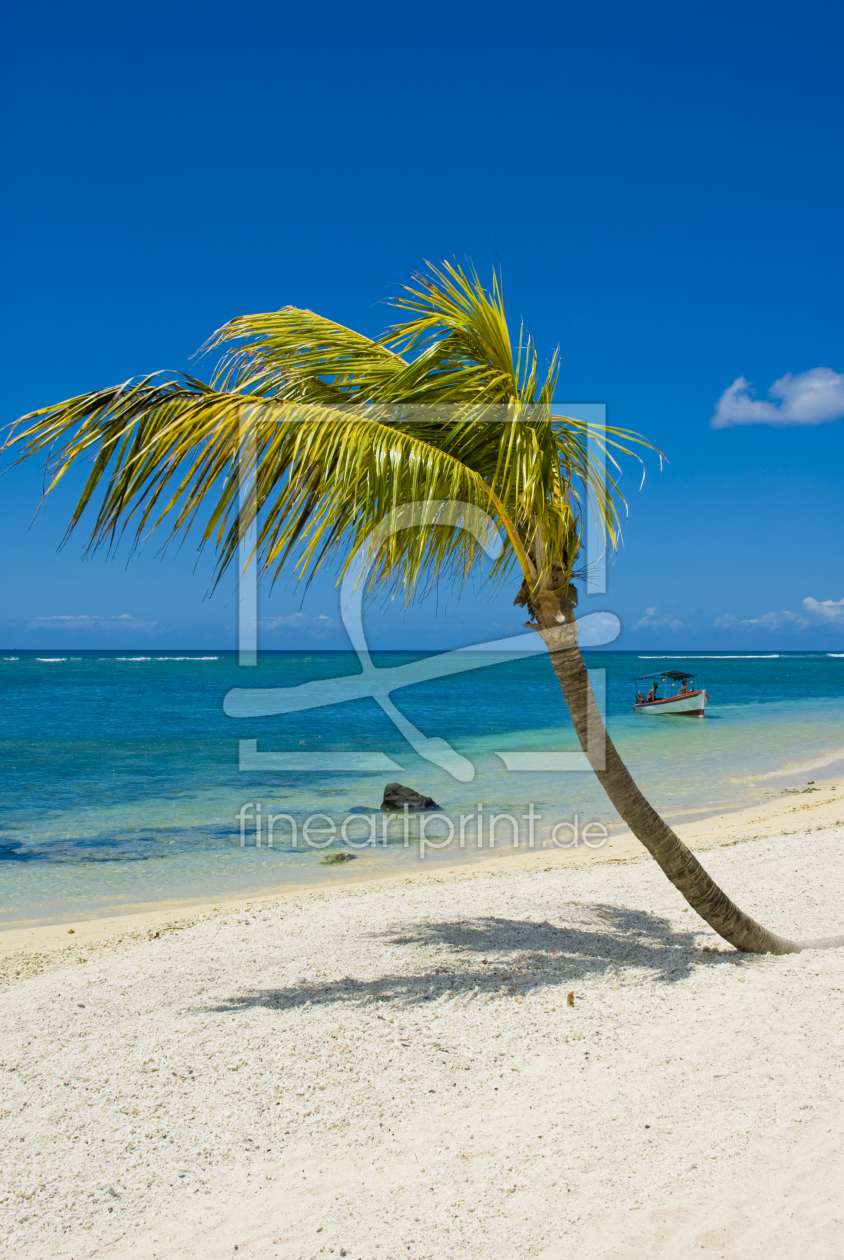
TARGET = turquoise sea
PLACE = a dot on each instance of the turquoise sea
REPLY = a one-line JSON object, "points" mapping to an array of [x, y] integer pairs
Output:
{"points": [[122, 785]]}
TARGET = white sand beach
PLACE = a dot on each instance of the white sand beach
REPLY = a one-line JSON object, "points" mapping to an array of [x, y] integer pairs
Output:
{"points": [[393, 1069]]}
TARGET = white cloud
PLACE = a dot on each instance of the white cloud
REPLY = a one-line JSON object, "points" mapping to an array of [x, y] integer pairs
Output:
{"points": [[817, 611], [812, 397], [86, 621], [297, 621], [774, 621], [828, 610], [651, 621]]}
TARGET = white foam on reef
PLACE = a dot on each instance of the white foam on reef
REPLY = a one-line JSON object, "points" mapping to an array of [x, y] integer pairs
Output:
{"points": [[11, 658], [835, 653], [50, 660], [742, 656], [145, 658]]}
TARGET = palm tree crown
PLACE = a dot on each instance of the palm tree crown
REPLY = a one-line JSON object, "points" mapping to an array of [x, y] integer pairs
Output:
{"points": [[345, 428]]}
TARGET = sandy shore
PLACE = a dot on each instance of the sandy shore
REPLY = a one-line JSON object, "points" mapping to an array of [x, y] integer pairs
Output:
{"points": [[24, 951], [394, 1069]]}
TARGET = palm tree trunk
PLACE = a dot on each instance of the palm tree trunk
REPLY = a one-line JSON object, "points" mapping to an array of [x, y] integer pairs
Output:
{"points": [[667, 849]]}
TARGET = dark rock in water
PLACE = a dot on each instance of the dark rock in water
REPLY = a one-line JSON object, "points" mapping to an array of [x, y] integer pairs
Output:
{"points": [[363, 809], [396, 796], [333, 859]]}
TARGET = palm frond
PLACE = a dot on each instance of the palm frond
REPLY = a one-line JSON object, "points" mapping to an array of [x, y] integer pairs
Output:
{"points": [[452, 309], [294, 354]]}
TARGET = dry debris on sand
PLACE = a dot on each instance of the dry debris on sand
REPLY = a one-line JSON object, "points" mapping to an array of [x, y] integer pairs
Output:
{"points": [[396, 1071]]}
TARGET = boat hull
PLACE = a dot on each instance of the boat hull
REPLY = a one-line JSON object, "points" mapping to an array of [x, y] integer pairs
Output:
{"points": [[692, 705]]}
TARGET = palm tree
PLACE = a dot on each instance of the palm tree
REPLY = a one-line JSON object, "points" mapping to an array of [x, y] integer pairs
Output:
{"points": [[346, 428]]}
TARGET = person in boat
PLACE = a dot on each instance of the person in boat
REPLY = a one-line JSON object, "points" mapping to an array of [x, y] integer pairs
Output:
{"points": [[652, 694], [684, 687]]}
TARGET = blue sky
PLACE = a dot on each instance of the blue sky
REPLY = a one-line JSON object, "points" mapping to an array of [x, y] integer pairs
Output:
{"points": [[661, 186]]}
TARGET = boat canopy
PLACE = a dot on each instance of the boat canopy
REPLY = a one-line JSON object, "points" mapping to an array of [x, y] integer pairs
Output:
{"points": [[676, 675]]}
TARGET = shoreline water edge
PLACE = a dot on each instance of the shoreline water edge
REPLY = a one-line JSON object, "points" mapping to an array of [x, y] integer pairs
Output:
{"points": [[124, 788], [800, 809]]}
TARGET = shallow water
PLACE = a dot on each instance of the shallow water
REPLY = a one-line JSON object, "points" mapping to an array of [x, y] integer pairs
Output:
{"points": [[122, 785]]}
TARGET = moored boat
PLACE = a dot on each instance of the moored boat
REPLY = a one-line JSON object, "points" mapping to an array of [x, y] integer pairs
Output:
{"points": [[685, 702]]}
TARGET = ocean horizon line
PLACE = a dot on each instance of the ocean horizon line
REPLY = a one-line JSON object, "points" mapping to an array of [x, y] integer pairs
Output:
{"points": [[204, 653]]}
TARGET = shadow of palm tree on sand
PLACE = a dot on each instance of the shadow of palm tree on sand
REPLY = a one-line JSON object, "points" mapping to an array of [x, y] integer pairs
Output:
{"points": [[488, 955]]}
